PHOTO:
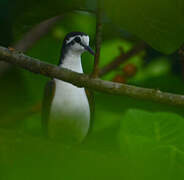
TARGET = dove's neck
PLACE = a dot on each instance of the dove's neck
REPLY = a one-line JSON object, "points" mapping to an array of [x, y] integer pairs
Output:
{"points": [[72, 61]]}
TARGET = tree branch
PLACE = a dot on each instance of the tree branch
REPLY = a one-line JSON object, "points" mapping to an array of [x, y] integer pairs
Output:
{"points": [[120, 59], [82, 80]]}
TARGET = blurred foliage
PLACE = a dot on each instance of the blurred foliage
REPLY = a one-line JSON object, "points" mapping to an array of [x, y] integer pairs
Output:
{"points": [[130, 139]]}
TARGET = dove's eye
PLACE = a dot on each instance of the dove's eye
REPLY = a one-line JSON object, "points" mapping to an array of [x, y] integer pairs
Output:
{"points": [[77, 39]]}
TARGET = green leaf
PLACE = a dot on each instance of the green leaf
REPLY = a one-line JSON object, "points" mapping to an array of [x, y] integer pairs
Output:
{"points": [[153, 143], [159, 23]]}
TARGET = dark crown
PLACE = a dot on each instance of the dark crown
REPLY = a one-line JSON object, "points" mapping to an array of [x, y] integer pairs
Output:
{"points": [[72, 34], [65, 47]]}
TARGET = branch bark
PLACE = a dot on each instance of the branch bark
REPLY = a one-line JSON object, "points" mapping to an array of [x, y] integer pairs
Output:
{"points": [[82, 80]]}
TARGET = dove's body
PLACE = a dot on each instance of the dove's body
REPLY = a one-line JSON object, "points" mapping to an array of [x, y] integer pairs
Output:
{"points": [[70, 108], [68, 113]]}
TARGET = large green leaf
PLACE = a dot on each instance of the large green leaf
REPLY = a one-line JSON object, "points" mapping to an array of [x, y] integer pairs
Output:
{"points": [[153, 144], [159, 23]]}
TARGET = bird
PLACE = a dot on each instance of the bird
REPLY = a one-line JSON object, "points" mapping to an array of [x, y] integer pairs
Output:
{"points": [[65, 107]]}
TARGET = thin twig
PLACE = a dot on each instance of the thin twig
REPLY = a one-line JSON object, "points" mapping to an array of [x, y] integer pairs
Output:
{"points": [[36, 33], [22, 115], [181, 56], [120, 59], [30, 38], [82, 80], [97, 41]]}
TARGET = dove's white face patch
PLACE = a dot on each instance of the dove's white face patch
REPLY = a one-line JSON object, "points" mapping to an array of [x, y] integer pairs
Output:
{"points": [[70, 40], [85, 40]]}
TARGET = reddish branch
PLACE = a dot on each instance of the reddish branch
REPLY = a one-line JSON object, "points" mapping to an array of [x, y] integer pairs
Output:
{"points": [[97, 41], [120, 59]]}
